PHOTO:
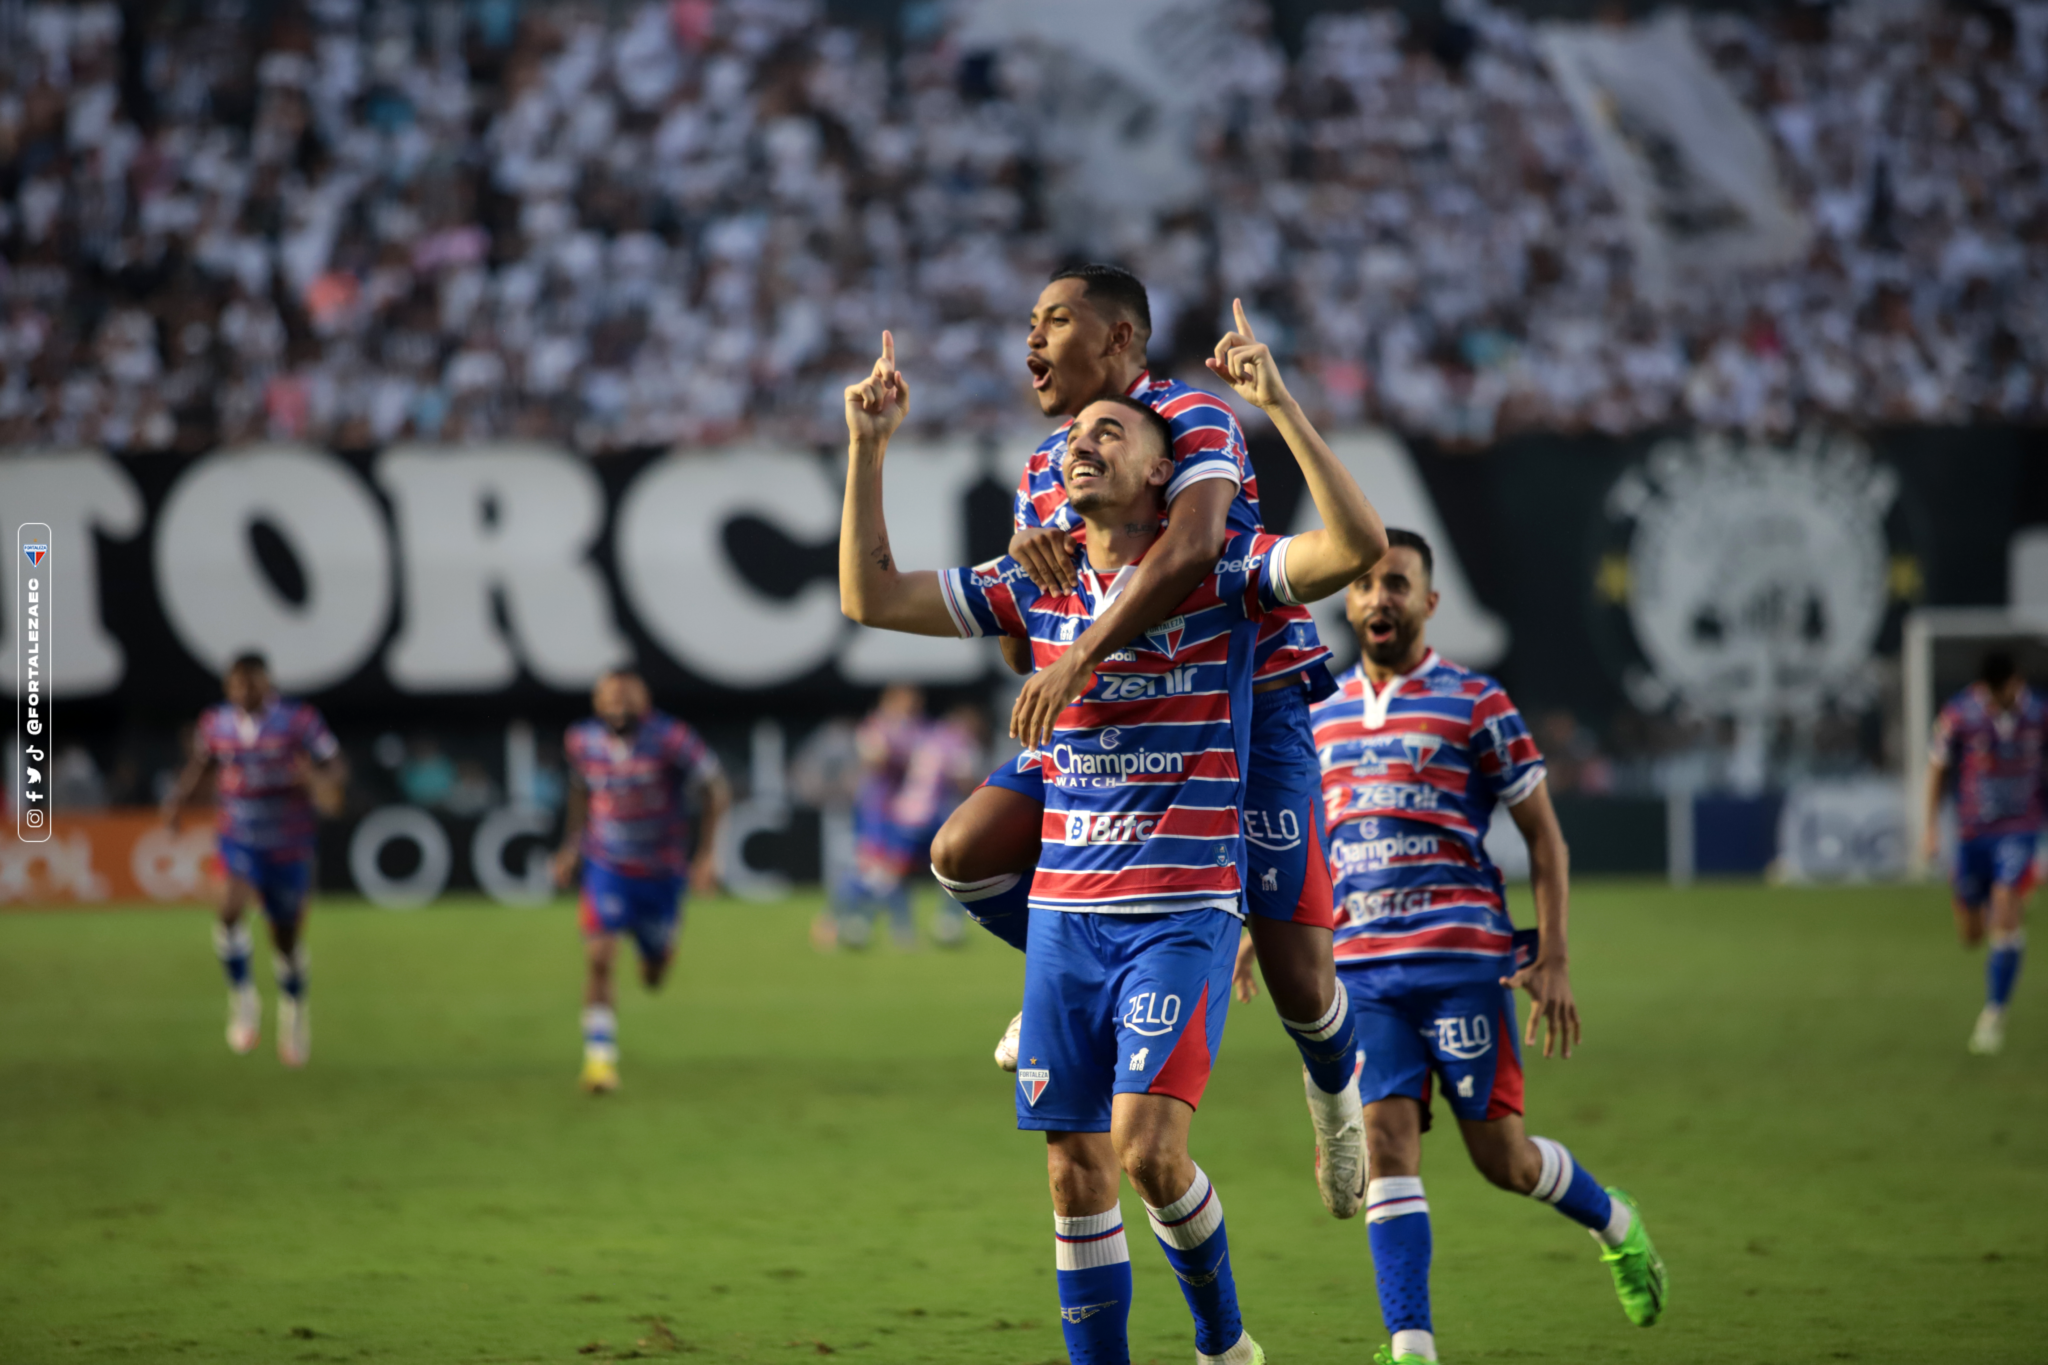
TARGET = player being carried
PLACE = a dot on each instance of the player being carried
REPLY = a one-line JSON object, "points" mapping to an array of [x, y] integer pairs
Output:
{"points": [[277, 761], [1087, 342], [1416, 753], [1138, 894], [1989, 739], [632, 771]]}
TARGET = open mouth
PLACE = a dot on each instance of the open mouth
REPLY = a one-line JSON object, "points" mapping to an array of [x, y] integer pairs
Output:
{"points": [[1084, 467], [1041, 373], [1379, 630]]}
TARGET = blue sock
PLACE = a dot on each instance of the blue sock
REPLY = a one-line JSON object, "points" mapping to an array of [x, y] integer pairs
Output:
{"points": [[233, 945], [1190, 1230], [1000, 904], [1574, 1192], [2003, 968], [600, 1032], [901, 924], [291, 972], [1328, 1045], [1094, 1261], [1397, 1225]]}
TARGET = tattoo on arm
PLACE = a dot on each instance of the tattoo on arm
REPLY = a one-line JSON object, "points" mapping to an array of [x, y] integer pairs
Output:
{"points": [[882, 559]]}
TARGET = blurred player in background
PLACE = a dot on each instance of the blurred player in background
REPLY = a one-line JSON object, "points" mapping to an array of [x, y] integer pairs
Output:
{"points": [[1138, 895], [884, 848], [277, 763], [633, 772], [945, 767], [1087, 341], [1416, 753], [1988, 739]]}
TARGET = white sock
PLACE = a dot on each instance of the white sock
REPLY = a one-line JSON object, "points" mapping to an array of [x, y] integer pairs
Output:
{"points": [[1091, 1239], [1240, 1354], [1391, 1196], [967, 893], [1192, 1219], [1415, 1342], [1618, 1224], [600, 1032]]}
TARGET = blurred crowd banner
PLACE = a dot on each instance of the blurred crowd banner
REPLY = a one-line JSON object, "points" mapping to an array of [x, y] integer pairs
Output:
{"points": [[1747, 580]]}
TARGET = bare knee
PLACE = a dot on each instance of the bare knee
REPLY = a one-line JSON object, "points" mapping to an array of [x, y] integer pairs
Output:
{"points": [[1081, 1170], [1393, 1138], [1297, 966], [952, 855]]}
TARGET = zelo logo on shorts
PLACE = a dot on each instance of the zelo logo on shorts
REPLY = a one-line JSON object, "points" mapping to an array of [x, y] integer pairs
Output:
{"points": [[1151, 1013], [1462, 1038], [1278, 830], [1034, 1081]]}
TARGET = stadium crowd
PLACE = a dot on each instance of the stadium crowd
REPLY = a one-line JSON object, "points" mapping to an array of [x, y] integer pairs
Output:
{"points": [[359, 224]]}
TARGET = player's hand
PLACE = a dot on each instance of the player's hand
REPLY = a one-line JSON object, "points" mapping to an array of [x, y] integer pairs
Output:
{"points": [[1046, 693], [877, 405], [704, 877], [1550, 1001], [1244, 982], [1930, 845], [564, 867], [1047, 554], [1247, 365]]}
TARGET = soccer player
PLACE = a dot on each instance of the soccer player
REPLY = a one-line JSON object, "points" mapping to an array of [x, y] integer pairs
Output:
{"points": [[1086, 342], [1416, 753], [632, 772], [1989, 738], [277, 762], [885, 847], [1138, 889]]}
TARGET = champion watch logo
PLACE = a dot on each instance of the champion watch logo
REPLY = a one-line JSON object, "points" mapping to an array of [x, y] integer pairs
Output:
{"points": [[35, 552], [1165, 636], [1034, 1081]]}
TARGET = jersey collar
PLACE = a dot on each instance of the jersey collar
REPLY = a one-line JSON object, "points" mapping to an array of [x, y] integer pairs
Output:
{"points": [[1140, 384], [1374, 703]]}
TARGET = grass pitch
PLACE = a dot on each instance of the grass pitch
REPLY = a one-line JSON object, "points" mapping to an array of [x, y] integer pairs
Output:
{"points": [[813, 1155]]}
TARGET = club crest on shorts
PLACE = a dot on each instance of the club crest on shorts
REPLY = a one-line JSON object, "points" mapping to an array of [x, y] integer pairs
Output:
{"points": [[35, 550], [1033, 1080]]}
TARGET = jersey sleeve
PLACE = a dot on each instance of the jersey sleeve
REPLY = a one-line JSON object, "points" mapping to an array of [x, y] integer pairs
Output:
{"points": [[1024, 511], [313, 735], [1252, 575], [1504, 753], [692, 757], [988, 599], [1207, 442]]}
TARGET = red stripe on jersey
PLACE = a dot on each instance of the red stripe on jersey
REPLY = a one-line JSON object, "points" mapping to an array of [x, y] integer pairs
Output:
{"points": [[1450, 938], [1176, 822], [1134, 883]]}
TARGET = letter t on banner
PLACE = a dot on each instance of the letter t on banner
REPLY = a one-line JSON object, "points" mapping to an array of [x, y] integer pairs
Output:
{"points": [[32, 681]]}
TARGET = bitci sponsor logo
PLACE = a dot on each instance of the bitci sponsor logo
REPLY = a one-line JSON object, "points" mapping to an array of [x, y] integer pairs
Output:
{"points": [[1109, 827]]}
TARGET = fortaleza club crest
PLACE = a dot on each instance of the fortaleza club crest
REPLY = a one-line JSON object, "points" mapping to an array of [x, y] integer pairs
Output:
{"points": [[1034, 1081], [1756, 577], [35, 550], [1165, 637]]}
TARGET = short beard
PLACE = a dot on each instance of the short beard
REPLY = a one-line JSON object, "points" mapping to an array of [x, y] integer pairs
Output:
{"points": [[1396, 647]]}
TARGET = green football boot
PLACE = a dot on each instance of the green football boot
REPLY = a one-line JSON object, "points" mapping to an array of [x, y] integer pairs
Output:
{"points": [[1639, 1279], [1385, 1356]]}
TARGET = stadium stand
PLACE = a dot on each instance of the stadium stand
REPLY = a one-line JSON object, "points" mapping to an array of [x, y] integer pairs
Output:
{"points": [[354, 224]]}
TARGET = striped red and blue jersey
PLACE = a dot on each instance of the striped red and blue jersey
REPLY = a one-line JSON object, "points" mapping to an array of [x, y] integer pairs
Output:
{"points": [[885, 743], [1996, 760], [263, 799], [1207, 444], [1144, 774], [639, 785], [1411, 776]]}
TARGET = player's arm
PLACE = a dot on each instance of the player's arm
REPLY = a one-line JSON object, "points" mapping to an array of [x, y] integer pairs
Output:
{"points": [[1547, 979], [189, 778], [1352, 537], [1185, 553], [327, 783], [872, 590], [575, 813], [704, 869], [1937, 778]]}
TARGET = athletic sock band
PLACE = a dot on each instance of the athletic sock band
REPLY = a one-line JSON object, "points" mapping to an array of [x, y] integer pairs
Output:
{"points": [[1190, 1220], [1392, 1196], [1091, 1240]]}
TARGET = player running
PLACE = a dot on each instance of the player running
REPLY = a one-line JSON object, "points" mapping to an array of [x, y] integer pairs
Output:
{"points": [[278, 762], [1087, 341], [1989, 738], [1138, 891], [632, 771], [1416, 752]]}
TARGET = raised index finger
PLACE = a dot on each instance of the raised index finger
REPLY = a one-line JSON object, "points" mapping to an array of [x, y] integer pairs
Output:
{"points": [[1244, 323], [888, 353]]}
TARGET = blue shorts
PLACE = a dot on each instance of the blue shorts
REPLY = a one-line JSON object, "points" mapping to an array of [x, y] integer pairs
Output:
{"points": [[886, 852], [1463, 1033], [648, 908], [1999, 860], [281, 876], [1287, 867], [1120, 1004], [1023, 775]]}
